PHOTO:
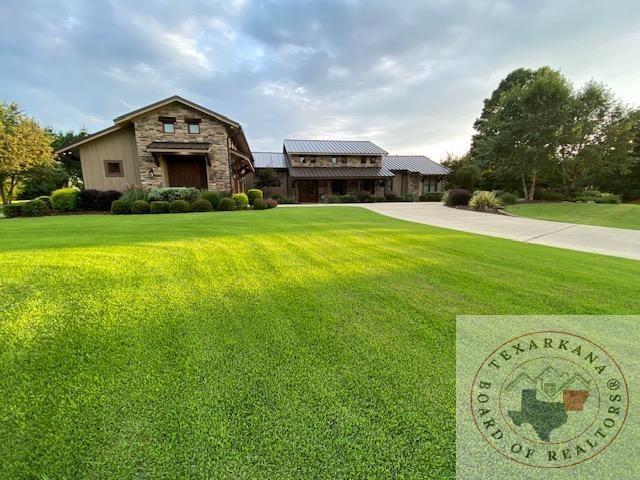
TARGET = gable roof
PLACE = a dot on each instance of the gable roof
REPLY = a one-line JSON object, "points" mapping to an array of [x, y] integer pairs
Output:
{"points": [[269, 160], [167, 101], [88, 138], [414, 164], [333, 147]]}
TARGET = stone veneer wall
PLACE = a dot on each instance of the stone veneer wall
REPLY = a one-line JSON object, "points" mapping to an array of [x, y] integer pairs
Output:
{"points": [[325, 161], [148, 128]]}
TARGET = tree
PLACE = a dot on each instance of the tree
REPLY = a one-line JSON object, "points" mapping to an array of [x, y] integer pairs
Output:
{"points": [[464, 174], [23, 147], [60, 140], [267, 177], [521, 131]]}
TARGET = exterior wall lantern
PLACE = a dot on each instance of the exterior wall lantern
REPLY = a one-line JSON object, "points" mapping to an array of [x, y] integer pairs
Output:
{"points": [[150, 173]]}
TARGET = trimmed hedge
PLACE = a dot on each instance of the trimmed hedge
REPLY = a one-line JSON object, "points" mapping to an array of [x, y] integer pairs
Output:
{"points": [[169, 194], [254, 194], [179, 206], [35, 208], [226, 204], [458, 197], [201, 205], [120, 207], [259, 204], [65, 199], [159, 206], [139, 206], [431, 197], [12, 210], [213, 197], [240, 200]]}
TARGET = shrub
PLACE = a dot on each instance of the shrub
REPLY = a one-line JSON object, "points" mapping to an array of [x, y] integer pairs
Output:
{"points": [[379, 199], [551, 195], [508, 198], [65, 199], [458, 196], [240, 200], [43, 180], [253, 194], [12, 210], [610, 198], [333, 199], [46, 199], [282, 199], [35, 208], [120, 207], [348, 198], [169, 194], [87, 199], [391, 197], [139, 206], [407, 198], [431, 197], [159, 206], [213, 197], [484, 200], [105, 199], [365, 197], [132, 194], [271, 202], [226, 204], [179, 206], [259, 204], [201, 205]]}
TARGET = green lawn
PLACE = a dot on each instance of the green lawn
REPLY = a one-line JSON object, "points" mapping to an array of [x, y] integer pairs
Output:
{"points": [[621, 216], [288, 343]]}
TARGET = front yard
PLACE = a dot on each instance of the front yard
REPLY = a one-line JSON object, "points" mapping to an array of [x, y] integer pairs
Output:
{"points": [[623, 215], [288, 343]]}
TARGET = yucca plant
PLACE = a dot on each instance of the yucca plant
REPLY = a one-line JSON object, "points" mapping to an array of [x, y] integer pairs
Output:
{"points": [[483, 200]]}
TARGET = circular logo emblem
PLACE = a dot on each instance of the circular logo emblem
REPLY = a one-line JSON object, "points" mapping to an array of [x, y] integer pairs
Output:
{"points": [[549, 399]]}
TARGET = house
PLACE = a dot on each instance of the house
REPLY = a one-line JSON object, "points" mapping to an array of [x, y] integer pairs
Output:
{"points": [[170, 143], [312, 170], [178, 143]]}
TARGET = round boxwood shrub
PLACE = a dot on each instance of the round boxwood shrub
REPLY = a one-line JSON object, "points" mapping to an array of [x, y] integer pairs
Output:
{"points": [[508, 198], [65, 199], [46, 199], [457, 197], [159, 206], [140, 206], [35, 208], [179, 206], [226, 204], [12, 210], [259, 204], [201, 205], [213, 197], [120, 207], [240, 200], [253, 194]]}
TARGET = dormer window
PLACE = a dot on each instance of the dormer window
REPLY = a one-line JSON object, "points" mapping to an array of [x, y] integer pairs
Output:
{"points": [[363, 160], [312, 159], [334, 160], [343, 159], [193, 125], [168, 124], [303, 160], [372, 160]]}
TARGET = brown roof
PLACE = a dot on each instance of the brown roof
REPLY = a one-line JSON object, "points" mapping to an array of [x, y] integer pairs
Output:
{"points": [[339, 172]]}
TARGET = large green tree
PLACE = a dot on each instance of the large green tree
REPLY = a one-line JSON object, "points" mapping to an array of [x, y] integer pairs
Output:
{"points": [[520, 130], [23, 147]]}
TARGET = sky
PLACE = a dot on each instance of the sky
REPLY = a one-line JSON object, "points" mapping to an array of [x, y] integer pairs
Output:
{"points": [[410, 76]]}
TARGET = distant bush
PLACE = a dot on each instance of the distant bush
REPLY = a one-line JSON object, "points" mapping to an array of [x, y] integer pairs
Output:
{"points": [[333, 199], [169, 194], [226, 204], [65, 199], [483, 200], [365, 197], [254, 194], [105, 199], [408, 197], [139, 206], [46, 199], [119, 207], [445, 198], [201, 205], [508, 198], [348, 198], [271, 202], [458, 197], [551, 195], [259, 204], [390, 197], [595, 196], [213, 197], [431, 197], [12, 210], [134, 193], [179, 206], [159, 206], [240, 200], [610, 198], [379, 199], [87, 199], [282, 199], [35, 208]]}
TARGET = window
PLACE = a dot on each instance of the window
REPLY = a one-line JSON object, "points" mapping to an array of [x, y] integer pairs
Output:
{"points": [[339, 187], [368, 186], [168, 127], [343, 159], [113, 168], [372, 160], [334, 160], [363, 160], [193, 125], [303, 160], [312, 159]]}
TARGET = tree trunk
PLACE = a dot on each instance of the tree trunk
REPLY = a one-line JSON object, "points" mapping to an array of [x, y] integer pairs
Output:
{"points": [[532, 188], [524, 188]]}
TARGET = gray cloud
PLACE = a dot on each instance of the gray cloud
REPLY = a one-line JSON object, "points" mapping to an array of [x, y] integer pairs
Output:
{"points": [[409, 75]]}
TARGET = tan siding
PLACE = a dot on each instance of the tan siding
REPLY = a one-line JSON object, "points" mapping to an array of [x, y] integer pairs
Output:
{"points": [[119, 145]]}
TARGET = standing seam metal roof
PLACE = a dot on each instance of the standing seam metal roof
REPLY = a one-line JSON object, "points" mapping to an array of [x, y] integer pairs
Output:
{"points": [[269, 160], [415, 164], [333, 147]]}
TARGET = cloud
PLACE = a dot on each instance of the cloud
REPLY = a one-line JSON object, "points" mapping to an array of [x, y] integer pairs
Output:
{"points": [[408, 75]]}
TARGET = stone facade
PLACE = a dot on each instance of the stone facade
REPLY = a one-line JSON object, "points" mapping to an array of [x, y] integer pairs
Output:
{"points": [[148, 129], [325, 161]]}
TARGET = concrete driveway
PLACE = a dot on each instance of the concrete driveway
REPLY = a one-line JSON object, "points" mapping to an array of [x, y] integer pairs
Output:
{"points": [[617, 242]]}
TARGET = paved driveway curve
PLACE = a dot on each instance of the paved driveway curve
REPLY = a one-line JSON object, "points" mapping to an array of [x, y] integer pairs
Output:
{"points": [[617, 242]]}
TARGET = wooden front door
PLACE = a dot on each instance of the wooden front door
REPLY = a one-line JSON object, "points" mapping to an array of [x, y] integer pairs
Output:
{"points": [[308, 191], [187, 170]]}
